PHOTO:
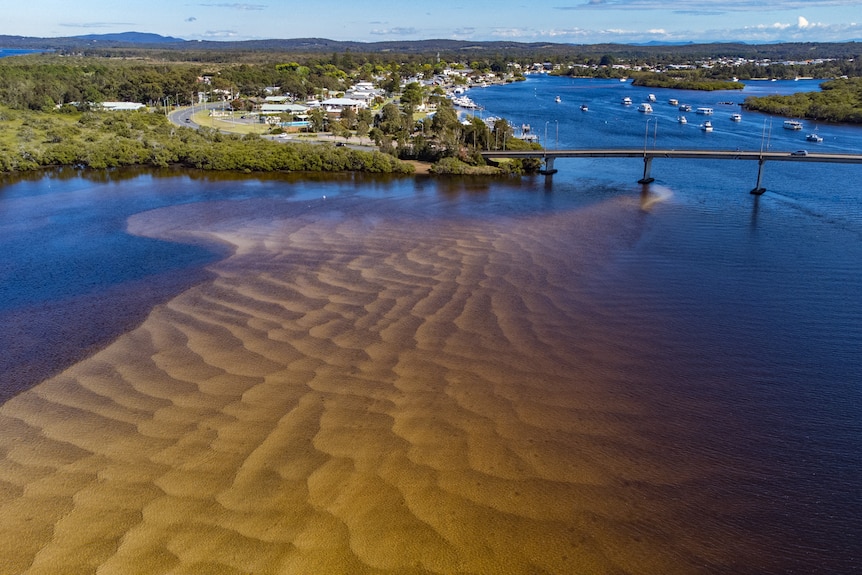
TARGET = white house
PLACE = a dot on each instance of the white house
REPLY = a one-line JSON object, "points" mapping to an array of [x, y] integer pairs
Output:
{"points": [[120, 106], [272, 109], [336, 106]]}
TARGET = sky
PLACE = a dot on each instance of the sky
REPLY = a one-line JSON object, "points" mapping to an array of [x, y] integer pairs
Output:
{"points": [[559, 21]]}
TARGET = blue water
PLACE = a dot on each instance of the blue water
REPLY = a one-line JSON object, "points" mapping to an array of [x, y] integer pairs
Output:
{"points": [[753, 302], [4, 52]]}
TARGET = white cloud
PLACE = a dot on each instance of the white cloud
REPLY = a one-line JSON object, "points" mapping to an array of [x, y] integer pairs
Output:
{"points": [[709, 5], [221, 35], [95, 24], [237, 6], [396, 31], [802, 30]]}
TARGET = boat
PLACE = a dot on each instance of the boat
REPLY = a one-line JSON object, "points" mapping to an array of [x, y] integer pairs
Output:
{"points": [[584, 108], [682, 120], [706, 126], [736, 117], [557, 100], [464, 102], [792, 125], [673, 102], [645, 108], [651, 97], [685, 108], [704, 111], [627, 101], [814, 138]]}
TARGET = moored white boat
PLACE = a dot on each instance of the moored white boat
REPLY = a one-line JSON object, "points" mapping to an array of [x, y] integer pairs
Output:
{"points": [[645, 108], [673, 102], [627, 101], [584, 108], [464, 102], [706, 126], [736, 117], [704, 111], [814, 138], [792, 125], [682, 120]]}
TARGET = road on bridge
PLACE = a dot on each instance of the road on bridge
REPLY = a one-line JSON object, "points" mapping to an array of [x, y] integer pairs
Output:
{"points": [[795, 156]]}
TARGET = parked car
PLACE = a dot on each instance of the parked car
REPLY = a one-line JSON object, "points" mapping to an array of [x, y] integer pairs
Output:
{"points": [[799, 153]]}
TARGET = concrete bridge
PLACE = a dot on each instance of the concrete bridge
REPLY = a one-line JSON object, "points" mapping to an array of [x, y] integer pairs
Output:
{"points": [[548, 157]]}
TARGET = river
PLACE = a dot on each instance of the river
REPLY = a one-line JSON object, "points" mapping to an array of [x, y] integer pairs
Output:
{"points": [[361, 374]]}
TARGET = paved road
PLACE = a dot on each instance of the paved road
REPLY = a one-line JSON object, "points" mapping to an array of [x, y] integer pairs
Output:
{"points": [[183, 116]]}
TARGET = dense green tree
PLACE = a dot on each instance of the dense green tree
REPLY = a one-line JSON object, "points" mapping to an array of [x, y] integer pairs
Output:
{"points": [[391, 120], [317, 118], [412, 96]]}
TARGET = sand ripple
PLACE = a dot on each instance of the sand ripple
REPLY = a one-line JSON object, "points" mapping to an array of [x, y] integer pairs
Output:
{"points": [[352, 394]]}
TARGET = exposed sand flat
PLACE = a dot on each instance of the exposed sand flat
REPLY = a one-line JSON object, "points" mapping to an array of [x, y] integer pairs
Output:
{"points": [[360, 393]]}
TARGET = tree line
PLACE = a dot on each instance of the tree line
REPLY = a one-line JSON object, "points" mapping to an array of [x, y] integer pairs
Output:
{"points": [[99, 140], [54, 98], [839, 100]]}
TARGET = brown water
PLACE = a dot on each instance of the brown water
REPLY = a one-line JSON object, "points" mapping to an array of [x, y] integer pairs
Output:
{"points": [[367, 388]]}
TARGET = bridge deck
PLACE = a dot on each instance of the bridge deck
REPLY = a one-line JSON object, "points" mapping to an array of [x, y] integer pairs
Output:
{"points": [[691, 154]]}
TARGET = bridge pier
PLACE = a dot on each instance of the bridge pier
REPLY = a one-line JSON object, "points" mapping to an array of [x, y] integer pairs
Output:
{"points": [[549, 166], [647, 167], [758, 189]]}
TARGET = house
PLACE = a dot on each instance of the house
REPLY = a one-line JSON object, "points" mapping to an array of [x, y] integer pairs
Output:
{"points": [[120, 106], [270, 109], [335, 106]]}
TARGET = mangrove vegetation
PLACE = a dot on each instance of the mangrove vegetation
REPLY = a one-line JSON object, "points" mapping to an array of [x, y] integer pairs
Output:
{"points": [[839, 100]]}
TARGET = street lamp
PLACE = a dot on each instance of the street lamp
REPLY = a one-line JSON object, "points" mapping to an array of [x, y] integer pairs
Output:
{"points": [[646, 132]]}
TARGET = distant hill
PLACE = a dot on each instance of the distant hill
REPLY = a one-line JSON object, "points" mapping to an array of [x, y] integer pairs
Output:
{"points": [[120, 40], [130, 38], [129, 43]]}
